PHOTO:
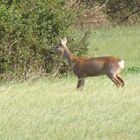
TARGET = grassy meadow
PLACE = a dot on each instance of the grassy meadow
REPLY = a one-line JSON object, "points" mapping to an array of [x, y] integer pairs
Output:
{"points": [[52, 109]]}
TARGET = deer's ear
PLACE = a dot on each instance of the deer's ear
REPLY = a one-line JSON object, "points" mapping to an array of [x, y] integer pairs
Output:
{"points": [[64, 40], [61, 40]]}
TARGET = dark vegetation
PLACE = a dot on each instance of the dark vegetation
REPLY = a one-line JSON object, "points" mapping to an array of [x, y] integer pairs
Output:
{"points": [[29, 29], [118, 11]]}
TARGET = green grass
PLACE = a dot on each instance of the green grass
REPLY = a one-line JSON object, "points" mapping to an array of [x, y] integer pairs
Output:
{"points": [[52, 109]]}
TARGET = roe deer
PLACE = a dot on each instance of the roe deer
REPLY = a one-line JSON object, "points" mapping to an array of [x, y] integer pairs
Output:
{"points": [[84, 66]]}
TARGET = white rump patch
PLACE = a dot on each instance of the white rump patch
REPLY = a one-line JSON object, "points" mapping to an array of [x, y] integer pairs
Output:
{"points": [[121, 64]]}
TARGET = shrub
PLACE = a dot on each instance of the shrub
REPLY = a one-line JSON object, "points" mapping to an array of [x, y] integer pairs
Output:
{"points": [[28, 31]]}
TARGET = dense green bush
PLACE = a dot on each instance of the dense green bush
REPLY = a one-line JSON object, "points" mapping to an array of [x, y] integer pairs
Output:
{"points": [[28, 31]]}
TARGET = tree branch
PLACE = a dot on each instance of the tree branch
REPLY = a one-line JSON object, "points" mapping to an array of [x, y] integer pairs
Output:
{"points": [[126, 17]]}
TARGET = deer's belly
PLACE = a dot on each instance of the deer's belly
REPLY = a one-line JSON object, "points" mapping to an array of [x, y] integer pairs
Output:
{"points": [[96, 71], [88, 72], [95, 74]]}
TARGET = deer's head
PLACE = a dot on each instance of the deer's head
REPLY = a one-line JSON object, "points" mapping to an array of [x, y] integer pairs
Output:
{"points": [[61, 47]]}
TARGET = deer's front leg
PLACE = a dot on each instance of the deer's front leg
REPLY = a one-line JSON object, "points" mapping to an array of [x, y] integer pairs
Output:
{"points": [[80, 83]]}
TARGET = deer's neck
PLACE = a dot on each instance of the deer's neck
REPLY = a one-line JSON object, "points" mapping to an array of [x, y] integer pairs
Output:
{"points": [[68, 55]]}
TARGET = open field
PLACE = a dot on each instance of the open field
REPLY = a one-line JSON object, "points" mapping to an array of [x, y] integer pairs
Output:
{"points": [[52, 109]]}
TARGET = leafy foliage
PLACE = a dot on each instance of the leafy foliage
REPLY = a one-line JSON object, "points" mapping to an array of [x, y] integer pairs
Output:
{"points": [[28, 31]]}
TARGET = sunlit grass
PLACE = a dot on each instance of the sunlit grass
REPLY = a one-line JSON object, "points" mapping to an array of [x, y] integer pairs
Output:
{"points": [[54, 109]]}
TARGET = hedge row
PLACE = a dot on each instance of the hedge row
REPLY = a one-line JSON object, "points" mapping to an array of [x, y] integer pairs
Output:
{"points": [[29, 30]]}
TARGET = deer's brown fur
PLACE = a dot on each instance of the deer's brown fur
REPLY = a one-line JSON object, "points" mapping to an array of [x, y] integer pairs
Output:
{"points": [[97, 66]]}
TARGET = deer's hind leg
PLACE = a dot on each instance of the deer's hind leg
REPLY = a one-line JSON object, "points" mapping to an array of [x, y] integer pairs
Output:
{"points": [[114, 79], [121, 80]]}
